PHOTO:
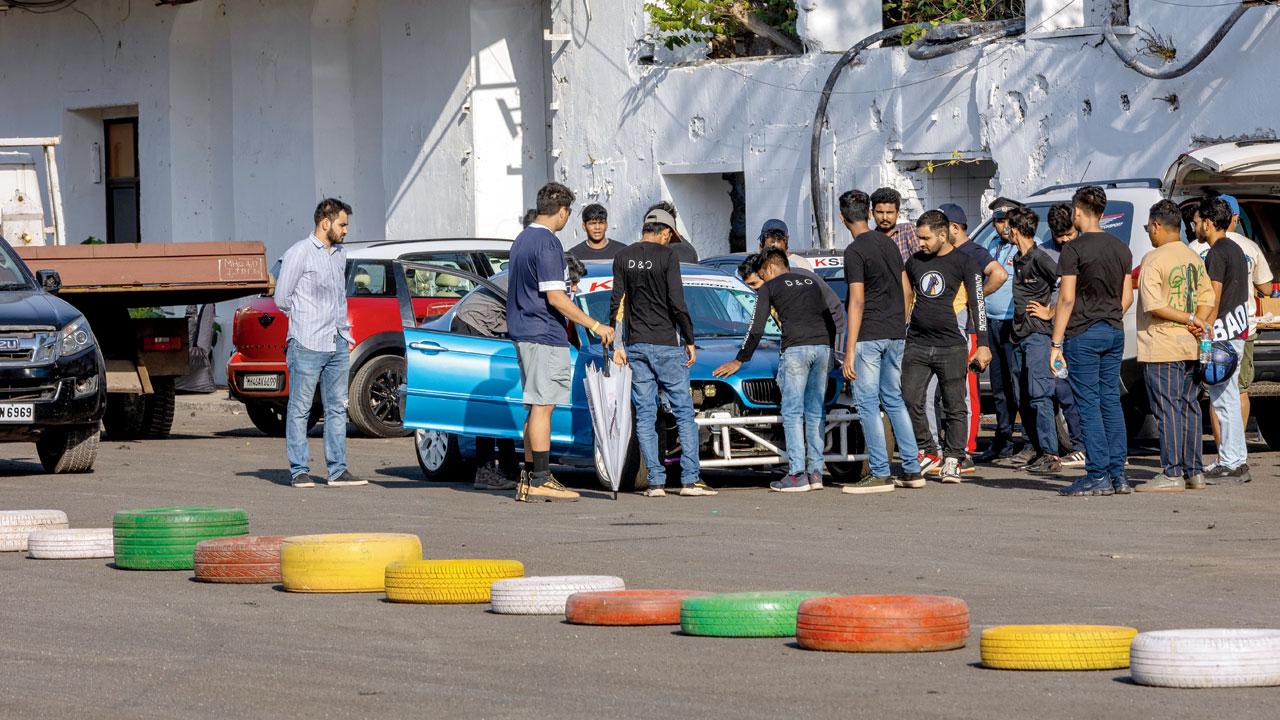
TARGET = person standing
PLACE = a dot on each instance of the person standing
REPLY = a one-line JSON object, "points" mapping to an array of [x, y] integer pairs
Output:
{"points": [[312, 292], [598, 245], [873, 349], [537, 309], [774, 234], [1005, 389], [805, 362], [1229, 273], [683, 248], [1062, 228], [886, 208], [1094, 292], [1175, 307], [1035, 278], [936, 344], [647, 288]]}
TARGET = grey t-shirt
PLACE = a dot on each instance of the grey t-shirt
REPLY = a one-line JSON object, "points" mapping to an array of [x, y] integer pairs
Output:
{"points": [[484, 311]]}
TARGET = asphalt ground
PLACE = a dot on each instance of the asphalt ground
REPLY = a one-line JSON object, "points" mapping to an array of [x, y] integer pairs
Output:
{"points": [[82, 639]]}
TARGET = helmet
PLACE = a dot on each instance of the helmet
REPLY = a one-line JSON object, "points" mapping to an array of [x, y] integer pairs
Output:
{"points": [[1222, 364]]}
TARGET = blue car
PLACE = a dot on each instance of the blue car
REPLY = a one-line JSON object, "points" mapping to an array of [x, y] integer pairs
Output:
{"points": [[460, 386], [827, 264]]}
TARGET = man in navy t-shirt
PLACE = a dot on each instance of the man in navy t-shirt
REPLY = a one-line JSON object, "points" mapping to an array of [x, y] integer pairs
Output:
{"points": [[537, 308]]}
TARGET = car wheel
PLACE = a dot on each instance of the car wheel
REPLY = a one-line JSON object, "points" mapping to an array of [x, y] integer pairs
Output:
{"points": [[851, 472], [440, 457], [269, 417], [374, 405], [68, 450], [635, 476], [158, 407]]}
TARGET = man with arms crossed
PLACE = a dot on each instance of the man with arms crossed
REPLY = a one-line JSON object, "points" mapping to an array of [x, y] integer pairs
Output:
{"points": [[537, 308]]}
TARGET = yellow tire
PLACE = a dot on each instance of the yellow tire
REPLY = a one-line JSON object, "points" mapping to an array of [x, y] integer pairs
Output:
{"points": [[1057, 647], [347, 562], [441, 582]]}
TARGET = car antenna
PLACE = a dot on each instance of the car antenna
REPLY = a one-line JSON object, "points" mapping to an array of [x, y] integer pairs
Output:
{"points": [[1086, 170]]}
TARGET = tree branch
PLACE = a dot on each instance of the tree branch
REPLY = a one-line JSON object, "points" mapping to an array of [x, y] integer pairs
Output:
{"points": [[739, 11]]}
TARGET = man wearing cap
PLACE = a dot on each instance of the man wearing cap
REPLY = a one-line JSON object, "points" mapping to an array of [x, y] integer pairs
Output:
{"points": [[682, 247], [647, 289], [774, 234]]}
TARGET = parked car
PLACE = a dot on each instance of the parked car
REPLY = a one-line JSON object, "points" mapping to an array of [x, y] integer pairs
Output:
{"points": [[257, 374], [460, 387], [827, 264], [53, 383]]}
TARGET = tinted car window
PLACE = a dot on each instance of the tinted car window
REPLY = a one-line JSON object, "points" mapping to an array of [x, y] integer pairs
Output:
{"points": [[427, 284], [369, 278], [715, 311]]}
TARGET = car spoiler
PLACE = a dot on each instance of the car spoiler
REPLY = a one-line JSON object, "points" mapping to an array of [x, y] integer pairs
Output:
{"points": [[407, 318]]}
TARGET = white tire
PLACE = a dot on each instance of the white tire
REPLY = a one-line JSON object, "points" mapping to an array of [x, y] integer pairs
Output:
{"points": [[77, 544], [16, 525], [1206, 658], [545, 595]]}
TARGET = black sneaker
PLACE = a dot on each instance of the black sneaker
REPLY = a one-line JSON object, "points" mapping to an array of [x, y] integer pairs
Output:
{"points": [[346, 478], [996, 450], [914, 481], [1024, 456], [303, 480], [1031, 465], [1085, 487], [868, 484], [1222, 475], [1121, 486], [1049, 465]]}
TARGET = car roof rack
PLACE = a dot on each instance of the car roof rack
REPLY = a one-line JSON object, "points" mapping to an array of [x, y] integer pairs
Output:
{"points": [[1125, 182]]}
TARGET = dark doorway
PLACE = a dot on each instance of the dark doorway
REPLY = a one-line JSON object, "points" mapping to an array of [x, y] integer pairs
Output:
{"points": [[123, 224]]}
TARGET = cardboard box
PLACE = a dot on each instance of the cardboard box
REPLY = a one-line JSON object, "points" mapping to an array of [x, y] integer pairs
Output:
{"points": [[1269, 310]]}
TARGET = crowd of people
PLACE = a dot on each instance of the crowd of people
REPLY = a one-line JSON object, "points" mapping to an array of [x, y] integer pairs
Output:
{"points": [[928, 309]]}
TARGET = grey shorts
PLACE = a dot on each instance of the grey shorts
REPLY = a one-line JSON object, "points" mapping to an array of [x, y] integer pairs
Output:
{"points": [[545, 373]]}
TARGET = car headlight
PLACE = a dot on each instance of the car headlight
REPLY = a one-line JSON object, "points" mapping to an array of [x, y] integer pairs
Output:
{"points": [[74, 338]]}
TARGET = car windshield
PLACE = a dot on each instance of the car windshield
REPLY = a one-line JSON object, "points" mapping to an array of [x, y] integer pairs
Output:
{"points": [[11, 275], [1117, 219], [716, 308]]}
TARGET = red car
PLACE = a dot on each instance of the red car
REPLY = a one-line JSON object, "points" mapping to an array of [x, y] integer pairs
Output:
{"points": [[257, 374]]}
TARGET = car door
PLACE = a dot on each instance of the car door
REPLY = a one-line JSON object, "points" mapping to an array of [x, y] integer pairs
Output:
{"points": [[435, 291], [464, 384]]}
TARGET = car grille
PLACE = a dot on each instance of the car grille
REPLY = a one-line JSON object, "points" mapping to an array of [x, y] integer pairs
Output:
{"points": [[764, 391], [18, 355], [28, 394]]}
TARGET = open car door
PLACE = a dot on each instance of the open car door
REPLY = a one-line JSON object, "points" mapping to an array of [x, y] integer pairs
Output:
{"points": [[1246, 167]]}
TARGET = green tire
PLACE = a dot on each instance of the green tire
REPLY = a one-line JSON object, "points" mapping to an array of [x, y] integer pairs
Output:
{"points": [[182, 515], [166, 538], [750, 614]]}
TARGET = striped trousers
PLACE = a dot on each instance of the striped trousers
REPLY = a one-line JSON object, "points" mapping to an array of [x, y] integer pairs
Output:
{"points": [[1175, 401]]}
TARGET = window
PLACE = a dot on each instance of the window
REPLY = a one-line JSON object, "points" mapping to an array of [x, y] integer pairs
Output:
{"points": [[498, 262], [428, 284], [123, 203], [1117, 219], [369, 278]]}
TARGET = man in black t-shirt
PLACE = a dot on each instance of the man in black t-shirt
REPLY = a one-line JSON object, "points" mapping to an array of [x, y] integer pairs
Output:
{"points": [[1229, 273], [878, 290], [647, 288], [598, 245], [807, 335], [936, 343], [1094, 292]]}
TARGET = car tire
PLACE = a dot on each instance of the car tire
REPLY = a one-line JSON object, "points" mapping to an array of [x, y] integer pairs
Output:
{"points": [[743, 614], [345, 562], [545, 595], [243, 559], [17, 525], [1206, 658], [158, 408], [1056, 647], [627, 607], [374, 403], [65, 544], [883, 623], [447, 582], [165, 538], [125, 417], [269, 417], [68, 450], [851, 472], [440, 458], [635, 475]]}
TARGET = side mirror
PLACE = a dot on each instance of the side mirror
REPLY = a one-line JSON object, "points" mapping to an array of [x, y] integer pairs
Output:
{"points": [[50, 280]]}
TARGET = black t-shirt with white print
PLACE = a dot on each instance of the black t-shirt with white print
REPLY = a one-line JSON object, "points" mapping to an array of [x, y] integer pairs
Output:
{"points": [[936, 280], [802, 312], [1227, 264]]}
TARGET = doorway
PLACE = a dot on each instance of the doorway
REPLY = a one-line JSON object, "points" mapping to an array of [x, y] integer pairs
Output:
{"points": [[123, 218]]}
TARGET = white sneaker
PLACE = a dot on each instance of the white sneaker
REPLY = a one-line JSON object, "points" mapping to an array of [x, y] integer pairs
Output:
{"points": [[654, 492], [951, 471], [1075, 459]]}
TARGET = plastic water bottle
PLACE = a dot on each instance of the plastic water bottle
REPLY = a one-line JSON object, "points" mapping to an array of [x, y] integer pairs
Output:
{"points": [[1059, 370], [1206, 348]]}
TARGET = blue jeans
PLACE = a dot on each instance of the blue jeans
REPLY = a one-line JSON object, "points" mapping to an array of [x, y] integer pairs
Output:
{"points": [[879, 385], [1225, 398], [1005, 389], [307, 368], [1038, 386], [1093, 367], [655, 367], [802, 379]]}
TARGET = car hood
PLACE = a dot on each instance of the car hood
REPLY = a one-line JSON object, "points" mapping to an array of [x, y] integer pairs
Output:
{"points": [[716, 351], [34, 308]]}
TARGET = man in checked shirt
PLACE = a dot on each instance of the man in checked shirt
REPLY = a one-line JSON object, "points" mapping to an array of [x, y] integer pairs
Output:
{"points": [[312, 292]]}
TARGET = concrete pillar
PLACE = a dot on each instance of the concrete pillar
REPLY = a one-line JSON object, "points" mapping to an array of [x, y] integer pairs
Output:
{"points": [[836, 25]]}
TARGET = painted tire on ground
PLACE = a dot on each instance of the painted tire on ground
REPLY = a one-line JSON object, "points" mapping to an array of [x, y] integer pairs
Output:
{"points": [[627, 607], [745, 614], [244, 559], [1206, 658], [343, 562], [16, 525], [545, 595], [166, 538], [1057, 647], [441, 582], [883, 623], [74, 544]]}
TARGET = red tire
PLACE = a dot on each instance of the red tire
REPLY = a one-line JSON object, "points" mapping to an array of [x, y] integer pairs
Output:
{"points": [[239, 573], [243, 559], [883, 623], [627, 607]]}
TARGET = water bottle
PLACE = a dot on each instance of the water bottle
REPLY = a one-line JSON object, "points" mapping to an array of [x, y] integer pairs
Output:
{"points": [[1206, 348], [1059, 370]]}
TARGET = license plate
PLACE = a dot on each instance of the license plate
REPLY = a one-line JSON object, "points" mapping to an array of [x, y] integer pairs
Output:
{"points": [[260, 382], [17, 412]]}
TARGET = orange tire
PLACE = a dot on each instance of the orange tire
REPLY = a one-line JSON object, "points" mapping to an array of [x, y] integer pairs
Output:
{"points": [[883, 623], [242, 559], [243, 573], [627, 607]]}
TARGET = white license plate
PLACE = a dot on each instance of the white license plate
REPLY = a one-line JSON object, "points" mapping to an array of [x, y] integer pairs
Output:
{"points": [[17, 412], [260, 382]]}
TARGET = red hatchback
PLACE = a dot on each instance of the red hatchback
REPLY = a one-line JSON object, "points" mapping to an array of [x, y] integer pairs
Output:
{"points": [[257, 374]]}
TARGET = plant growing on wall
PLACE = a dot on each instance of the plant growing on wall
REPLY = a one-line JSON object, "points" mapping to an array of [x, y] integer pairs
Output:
{"points": [[924, 14], [730, 28]]}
